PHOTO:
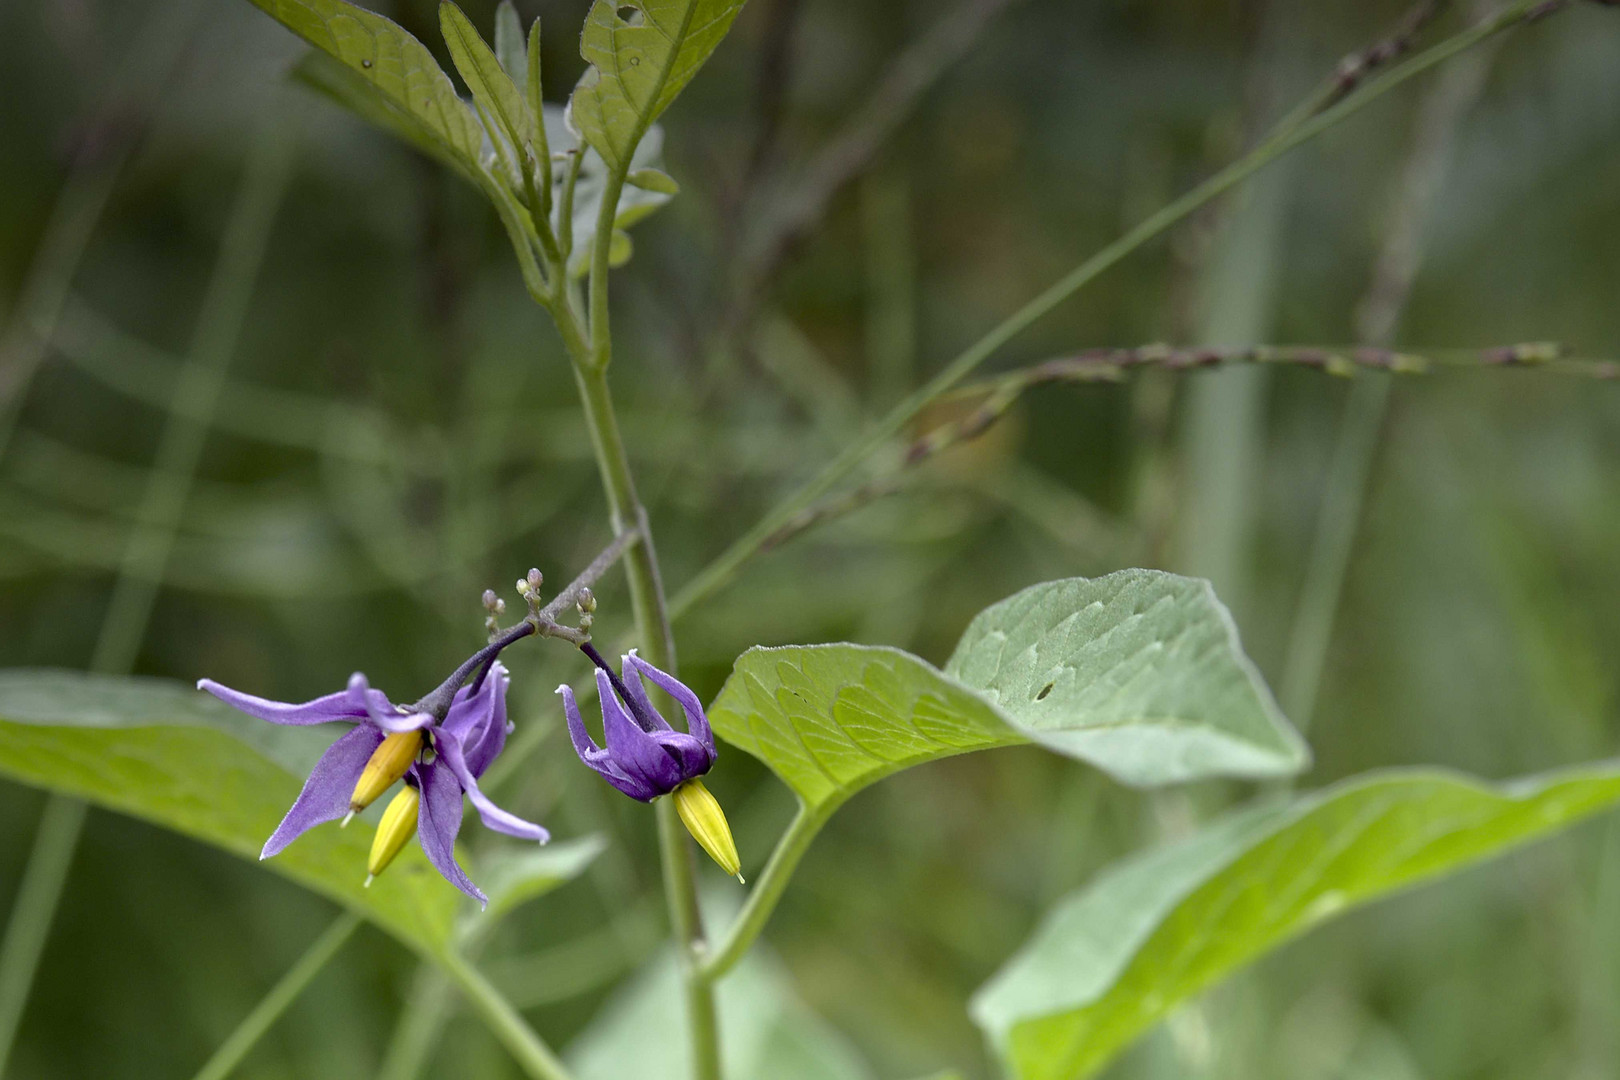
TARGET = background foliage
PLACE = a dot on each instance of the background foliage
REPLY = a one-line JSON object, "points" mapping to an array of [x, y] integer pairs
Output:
{"points": [[398, 431]]}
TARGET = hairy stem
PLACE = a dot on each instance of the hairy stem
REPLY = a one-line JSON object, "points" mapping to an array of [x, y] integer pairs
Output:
{"points": [[721, 570], [284, 993]]}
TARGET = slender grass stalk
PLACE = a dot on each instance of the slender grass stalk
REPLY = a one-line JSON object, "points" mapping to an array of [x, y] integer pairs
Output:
{"points": [[719, 572], [284, 993], [54, 844], [419, 1026], [532, 1054]]}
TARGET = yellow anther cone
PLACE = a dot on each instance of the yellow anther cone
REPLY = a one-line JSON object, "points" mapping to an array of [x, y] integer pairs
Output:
{"points": [[701, 814], [397, 826], [388, 763]]}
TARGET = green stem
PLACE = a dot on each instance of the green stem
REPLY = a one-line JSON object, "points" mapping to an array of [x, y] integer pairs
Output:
{"points": [[419, 1026], [35, 910], [762, 901], [284, 993], [720, 571], [532, 1054]]}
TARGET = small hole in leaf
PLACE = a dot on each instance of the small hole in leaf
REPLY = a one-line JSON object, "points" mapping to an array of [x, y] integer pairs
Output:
{"points": [[365, 63], [1047, 689], [630, 15]]}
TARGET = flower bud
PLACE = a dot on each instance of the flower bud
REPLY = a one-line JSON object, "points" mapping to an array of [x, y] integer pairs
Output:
{"points": [[397, 826], [701, 814], [388, 763]]}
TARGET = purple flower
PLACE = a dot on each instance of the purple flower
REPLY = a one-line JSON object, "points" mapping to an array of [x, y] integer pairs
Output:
{"points": [[463, 744], [645, 757]]}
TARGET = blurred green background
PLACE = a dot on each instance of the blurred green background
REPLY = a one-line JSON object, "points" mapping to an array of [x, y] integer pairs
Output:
{"points": [[398, 431]]}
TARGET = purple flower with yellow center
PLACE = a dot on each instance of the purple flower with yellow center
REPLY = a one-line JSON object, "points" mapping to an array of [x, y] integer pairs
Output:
{"points": [[439, 748], [645, 756]]}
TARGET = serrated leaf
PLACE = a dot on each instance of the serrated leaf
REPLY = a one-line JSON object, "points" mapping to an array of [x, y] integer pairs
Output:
{"points": [[394, 64], [1119, 954], [638, 64], [509, 43], [516, 875], [492, 88], [1139, 673], [654, 180]]}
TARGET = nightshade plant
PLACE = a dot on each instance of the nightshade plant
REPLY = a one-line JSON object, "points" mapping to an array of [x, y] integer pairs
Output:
{"points": [[1138, 673]]}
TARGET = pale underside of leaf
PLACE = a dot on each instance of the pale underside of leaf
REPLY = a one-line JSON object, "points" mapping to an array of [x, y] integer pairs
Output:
{"points": [[1118, 955]]}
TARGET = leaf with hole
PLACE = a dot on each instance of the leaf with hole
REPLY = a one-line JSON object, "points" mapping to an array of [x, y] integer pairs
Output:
{"points": [[1139, 673], [641, 53], [1119, 954]]}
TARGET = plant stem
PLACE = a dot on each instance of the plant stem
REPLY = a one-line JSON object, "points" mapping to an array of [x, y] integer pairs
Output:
{"points": [[762, 901], [284, 993], [34, 911], [720, 571], [532, 1054]]}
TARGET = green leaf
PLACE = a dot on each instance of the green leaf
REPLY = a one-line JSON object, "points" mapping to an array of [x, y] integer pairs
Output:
{"points": [[395, 65], [638, 64], [1139, 673], [516, 875], [635, 203], [169, 754], [654, 180], [491, 86], [1119, 954], [509, 44], [340, 84], [767, 1031]]}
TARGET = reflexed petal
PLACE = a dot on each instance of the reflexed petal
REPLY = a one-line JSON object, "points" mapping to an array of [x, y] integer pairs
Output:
{"points": [[635, 751], [593, 755], [450, 753], [482, 727], [339, 706], [439, 822], [382, 712], [641, 706], [326, 793], [692, 757], [697, 721]]}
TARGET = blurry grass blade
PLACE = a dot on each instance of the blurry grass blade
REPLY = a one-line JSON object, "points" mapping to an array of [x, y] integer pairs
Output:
{"points": [[641, 53], [1121, 953], [518, 874], [396, 66], [1139, 673], [509, 44], [162, 752], [491, 86]]}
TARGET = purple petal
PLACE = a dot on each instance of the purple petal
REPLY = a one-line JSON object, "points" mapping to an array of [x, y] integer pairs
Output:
{"points": [[380, 711], [481, 724], [635, 751], [327, 791], [451, 754], [697, 721], [439, 821], [692, 757], [322, 710], [594, 756], [641, 706]]}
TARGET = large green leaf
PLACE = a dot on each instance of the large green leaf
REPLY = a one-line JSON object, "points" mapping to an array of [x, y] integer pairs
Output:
{"points": [[641, 53], [399, 68], [1139, 673], [1119, 954], [168, 754]]}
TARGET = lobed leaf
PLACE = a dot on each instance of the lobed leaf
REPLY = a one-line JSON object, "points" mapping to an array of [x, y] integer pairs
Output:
{"points": [[1139, 673], [641, 53], [166, 753], [1119, 954], [401, 71]]}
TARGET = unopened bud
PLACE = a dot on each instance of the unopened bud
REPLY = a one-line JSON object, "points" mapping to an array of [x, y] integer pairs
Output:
{"points": [[535, 578], [586, 602], [701, 814], [492, 603], [389, 762], [397, 826]]}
